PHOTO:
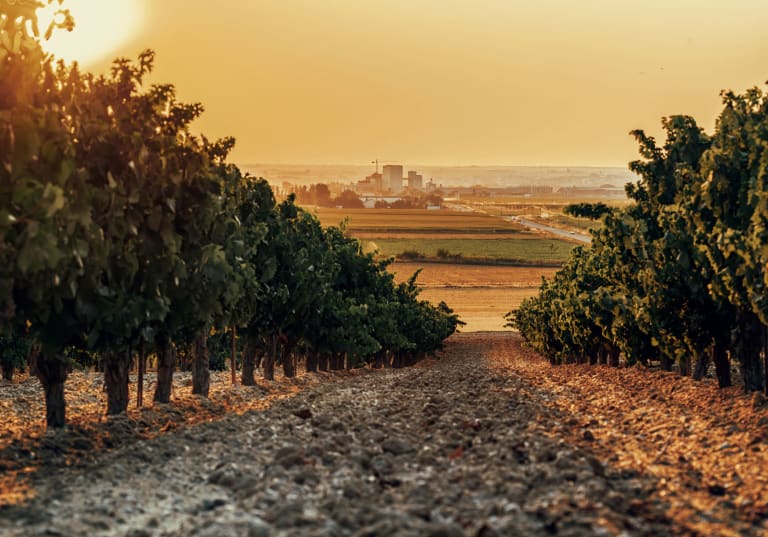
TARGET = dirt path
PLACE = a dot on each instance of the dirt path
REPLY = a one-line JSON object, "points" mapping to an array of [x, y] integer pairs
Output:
{"points": [[486, 441]]}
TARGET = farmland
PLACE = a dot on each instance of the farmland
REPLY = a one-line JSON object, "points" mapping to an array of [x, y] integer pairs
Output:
{"points": [[481, 295], [459, 236], [479, 264], [416, 220], [513, 250]]}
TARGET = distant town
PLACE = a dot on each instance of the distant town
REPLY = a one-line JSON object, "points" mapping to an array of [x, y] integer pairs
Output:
{"points": [[393, 185]]}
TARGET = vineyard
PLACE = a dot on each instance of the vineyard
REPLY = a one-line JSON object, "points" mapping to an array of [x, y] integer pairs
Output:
{"points": [[305, 383], [678, 276], [487, 440], [126, 238]]}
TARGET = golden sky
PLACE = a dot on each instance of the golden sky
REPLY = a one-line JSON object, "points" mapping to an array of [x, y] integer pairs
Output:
{"points": [[540, 82]]}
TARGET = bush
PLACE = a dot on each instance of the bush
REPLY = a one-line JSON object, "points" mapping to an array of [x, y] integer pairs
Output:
{"points": [[410, 254]]}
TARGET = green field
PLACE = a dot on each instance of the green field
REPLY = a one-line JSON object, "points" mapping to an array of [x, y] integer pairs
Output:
{"points": [[512, 250], [458, 236]]}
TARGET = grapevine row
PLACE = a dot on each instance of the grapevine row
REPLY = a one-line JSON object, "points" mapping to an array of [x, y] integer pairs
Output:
{"points": [[122, 233], [679, 275]]}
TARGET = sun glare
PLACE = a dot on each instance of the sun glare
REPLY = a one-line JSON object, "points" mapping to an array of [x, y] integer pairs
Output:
{"points": [[101, 27]]}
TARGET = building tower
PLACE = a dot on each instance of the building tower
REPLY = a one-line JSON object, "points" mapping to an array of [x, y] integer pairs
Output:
{"points": [[392, 177], [414, 180]]}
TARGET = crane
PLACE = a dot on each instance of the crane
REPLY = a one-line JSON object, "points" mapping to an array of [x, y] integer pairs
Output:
{"points": [[377, 161]]}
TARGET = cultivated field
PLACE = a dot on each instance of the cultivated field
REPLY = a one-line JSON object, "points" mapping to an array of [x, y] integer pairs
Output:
{"points": [[481, 295], [512, 250], [416, 220], [468, 245], [470, 236]]}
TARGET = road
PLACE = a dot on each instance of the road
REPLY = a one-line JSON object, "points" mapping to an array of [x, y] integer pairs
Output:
{"points": [[549, 229], [558, 232]]}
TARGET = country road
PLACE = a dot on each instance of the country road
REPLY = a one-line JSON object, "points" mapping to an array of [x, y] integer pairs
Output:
{"points": [[556, 231], [549, 229]]}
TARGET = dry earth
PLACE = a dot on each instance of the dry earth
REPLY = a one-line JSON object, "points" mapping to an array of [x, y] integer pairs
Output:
{"points": [[706, 447], [486, 440]]}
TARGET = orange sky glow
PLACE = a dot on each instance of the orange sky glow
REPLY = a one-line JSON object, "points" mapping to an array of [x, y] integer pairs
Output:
{"points": [[454, 82]]}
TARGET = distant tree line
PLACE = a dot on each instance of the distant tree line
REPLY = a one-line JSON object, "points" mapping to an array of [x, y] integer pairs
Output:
{"points": [[320, 196], [411, 201]]}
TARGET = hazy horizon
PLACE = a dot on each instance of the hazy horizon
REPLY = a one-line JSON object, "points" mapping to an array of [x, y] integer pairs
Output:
{"points": [[506, 82], [497, 176], [432, 165]]}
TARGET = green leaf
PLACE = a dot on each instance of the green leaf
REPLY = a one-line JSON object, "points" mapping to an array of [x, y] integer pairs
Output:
{"points": [[58, 201]]}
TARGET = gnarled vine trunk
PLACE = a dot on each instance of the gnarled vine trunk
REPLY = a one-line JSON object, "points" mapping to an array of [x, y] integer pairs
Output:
{"points": [[51, 368], [289, 361], [233, 356], [165, 361], [312, 361], [116, 367], [722, 364], [34, 354], [201, 373], [142, 368], [701, 366], [8, 370], [747, 344], [184, 356], [249, 360], [614, 354], [269, 360]]}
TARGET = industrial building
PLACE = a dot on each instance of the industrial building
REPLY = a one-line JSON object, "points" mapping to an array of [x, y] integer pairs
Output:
{"points": [[414, 180], [392, 177]]}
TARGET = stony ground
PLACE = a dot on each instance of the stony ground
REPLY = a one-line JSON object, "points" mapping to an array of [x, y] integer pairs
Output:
{"points": [[451, 449], [470, 444]]}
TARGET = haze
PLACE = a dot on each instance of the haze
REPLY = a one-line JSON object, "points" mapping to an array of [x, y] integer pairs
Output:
{"points": [[451, 82]]}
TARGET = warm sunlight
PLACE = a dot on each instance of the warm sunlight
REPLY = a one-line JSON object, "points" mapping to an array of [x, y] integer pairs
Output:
{"points": [[101, 27]]}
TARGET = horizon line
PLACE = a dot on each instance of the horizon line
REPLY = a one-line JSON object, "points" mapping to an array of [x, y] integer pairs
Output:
{"points": [[625, 167]]}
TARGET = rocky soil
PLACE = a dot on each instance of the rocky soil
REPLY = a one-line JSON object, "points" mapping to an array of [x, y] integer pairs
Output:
{"points": [[455, 447]]}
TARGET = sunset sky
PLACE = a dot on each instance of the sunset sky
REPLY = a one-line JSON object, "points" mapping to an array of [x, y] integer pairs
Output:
{"points": [[550, 82]]}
